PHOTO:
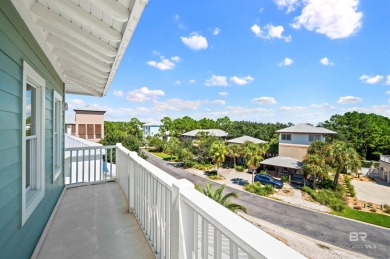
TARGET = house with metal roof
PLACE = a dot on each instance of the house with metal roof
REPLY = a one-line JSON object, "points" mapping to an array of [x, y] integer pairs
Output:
{"points": [[191, 135], [241, 140], [86, 122], [293, 144], [295, 140]]}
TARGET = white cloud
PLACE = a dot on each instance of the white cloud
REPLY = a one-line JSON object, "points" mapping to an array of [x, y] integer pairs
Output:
{"points": [[216, 81], [118, 93], [387, 92], [156, 52], [256, 30], [220, 102], [175, 105], [192, 81], [178, 82], [195, 41], [291, 108], [334, 18], [323, 106], [216, 31], [286, 62], [143, 94], [264, 100], [383, 110], [176, 59], [371, 79], [349, 99], [176, 17], [388, 80], [164, 64], [223, 93], [75, 103], [270, 32], [290, 5], [326, 62], [241, 80]]}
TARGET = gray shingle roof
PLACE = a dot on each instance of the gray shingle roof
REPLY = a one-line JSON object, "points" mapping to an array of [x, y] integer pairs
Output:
{"points": [[90, 109], [243, 139], [304, 128], [70, 119], [212, 132], [282, 161]]}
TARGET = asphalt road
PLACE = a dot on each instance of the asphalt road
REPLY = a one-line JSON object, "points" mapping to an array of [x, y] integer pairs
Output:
{"points": [[362, 238]]}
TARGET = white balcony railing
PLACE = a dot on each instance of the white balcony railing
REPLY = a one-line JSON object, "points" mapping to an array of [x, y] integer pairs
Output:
{"points": [[180, 222], [385, 158], [89, 164]]}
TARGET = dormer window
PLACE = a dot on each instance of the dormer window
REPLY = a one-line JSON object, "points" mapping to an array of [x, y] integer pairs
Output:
{"points": [[286, 137], [314, 138]]}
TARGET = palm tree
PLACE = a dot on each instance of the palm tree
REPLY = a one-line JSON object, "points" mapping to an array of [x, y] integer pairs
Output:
{"points": [[253, 156], [344, 158], [315, 164], [216, 195], [234, 151], [218, 152]]}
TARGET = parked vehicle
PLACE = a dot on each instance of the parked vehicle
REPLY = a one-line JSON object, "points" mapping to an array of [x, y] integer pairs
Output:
{"points": [[267, 179]]}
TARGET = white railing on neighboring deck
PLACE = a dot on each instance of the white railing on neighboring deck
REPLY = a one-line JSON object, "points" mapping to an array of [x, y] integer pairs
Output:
{"points": [[180, 222], [89, 164], [385, 158]]}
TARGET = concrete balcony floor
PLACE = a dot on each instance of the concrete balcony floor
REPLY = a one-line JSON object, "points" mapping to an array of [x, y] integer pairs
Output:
{"points": [[92, 222]]}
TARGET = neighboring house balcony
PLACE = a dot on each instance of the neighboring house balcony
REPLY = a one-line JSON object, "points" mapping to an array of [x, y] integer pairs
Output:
{"points": [[385, 158], [132, 209]]}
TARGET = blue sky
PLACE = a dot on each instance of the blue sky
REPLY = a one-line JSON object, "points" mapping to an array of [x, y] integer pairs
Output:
{"points": [[266, 61]]}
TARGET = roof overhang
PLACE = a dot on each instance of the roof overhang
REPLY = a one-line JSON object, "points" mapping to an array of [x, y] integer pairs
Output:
{"points": [[84, 40], [281, 161]]}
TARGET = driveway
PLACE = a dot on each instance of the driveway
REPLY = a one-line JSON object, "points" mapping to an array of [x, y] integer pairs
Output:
{"points": [[372, 192], [320, 226]]}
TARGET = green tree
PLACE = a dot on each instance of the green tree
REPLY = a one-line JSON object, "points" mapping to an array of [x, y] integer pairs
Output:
{"points": [[218, 152], [186, 156], [156, 143], [217, 195], [172, 147], [254, 154], [166, 126], [344, 158], [234, 151], [369, 134]]}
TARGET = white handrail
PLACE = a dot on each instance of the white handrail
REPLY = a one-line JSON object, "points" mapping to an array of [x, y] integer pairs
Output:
{"points": [[180, 222]]}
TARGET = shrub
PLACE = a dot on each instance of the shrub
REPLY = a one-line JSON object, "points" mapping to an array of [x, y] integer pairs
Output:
{"points": [[239, 168], [259, 189], [376, 164], [387, 209], [216, 177], [351, 188], [264, 172], [285, 178], [373, 210], [357, 207], [203, 167], [366, 164], [330, 198]]}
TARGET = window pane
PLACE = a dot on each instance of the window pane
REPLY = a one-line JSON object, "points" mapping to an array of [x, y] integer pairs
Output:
{"points": [[30, 161], [30, 110]]}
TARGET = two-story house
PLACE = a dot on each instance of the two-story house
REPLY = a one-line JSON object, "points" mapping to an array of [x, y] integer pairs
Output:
{"points": [[150, 129], [384, 168], [87, 123], [294, 142]]}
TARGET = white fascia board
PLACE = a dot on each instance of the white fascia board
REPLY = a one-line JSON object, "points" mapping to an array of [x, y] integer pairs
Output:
{"points": [[138, 8]]}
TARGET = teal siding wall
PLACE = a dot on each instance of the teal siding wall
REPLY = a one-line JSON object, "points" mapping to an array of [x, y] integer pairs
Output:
{"points": [[16, 45]]}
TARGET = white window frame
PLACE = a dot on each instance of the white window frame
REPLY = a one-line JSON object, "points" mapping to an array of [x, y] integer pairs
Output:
{"points": [[314, 136], [32, 197], [57, 134], [286, 139]]}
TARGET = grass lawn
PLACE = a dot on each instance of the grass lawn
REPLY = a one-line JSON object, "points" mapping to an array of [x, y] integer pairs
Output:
{"points": [[164, 156], [373, 218]]}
